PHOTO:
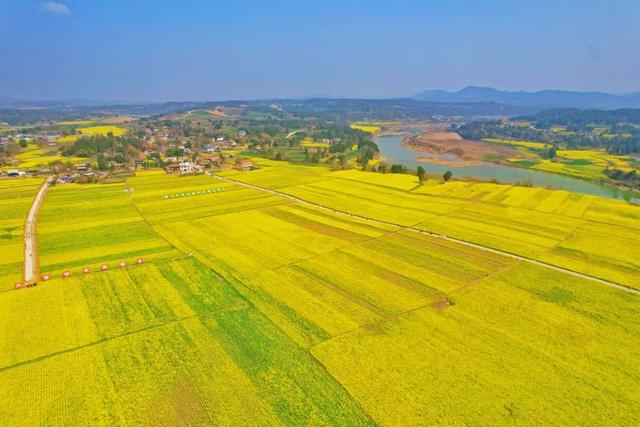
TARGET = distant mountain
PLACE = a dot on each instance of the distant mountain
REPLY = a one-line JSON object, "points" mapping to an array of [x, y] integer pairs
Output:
{"points": [[541, 99]]}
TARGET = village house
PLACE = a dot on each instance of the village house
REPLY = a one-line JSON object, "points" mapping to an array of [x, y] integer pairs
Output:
{"points": [[187, 167], [175, 159], [173, 167], [208, 160], [244, 165]]}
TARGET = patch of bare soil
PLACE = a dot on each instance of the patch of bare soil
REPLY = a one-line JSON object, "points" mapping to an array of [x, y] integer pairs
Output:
{"points": [[223, 111], [118, 120], [441, 304], [440, 146]]}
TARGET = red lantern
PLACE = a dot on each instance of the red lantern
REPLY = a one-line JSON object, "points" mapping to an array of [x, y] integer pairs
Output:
{"points": [[66, 273], [18, 285], [139, 261], [122, 264], [104, 267]]}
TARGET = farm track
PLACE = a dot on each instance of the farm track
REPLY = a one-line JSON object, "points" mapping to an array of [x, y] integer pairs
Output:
{"points": [[436, 235], [30, 268]]}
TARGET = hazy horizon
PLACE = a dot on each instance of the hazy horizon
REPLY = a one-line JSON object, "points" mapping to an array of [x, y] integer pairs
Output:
{"points": [[199, 51]]}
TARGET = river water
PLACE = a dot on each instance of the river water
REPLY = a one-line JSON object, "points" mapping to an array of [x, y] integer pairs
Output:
{"points": [[392, 150]]}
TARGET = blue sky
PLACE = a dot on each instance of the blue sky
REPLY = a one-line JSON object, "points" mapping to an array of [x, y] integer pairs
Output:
{"points": [[212, 49]]}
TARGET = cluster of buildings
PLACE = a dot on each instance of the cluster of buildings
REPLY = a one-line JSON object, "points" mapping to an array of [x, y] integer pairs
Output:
{"points": [[185, 167]]}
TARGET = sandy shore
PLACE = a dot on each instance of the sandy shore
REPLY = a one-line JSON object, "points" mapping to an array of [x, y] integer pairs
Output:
{"points": [[440, 146]]}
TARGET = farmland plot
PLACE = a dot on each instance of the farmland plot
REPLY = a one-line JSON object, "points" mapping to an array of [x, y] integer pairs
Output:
{"points": [[530, 222], [246, 242], [386, 204], [274, 311], [519, 231], [166, 343], [429, 366], [272, 174], [163, 199], [87, 225], [16, 198], [601, 250], [317, 274]]}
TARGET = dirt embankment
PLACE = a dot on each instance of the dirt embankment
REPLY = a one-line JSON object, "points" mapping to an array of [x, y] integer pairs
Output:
{"points": [[441, 146]]}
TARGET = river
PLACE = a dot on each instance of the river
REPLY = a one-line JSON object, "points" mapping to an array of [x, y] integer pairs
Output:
{"points": [[392, 150]]}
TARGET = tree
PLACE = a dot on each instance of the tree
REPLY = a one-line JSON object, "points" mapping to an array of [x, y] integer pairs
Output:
{"points": [[343, 161], [397, 168], [366, 154], [447, 176], [421, 173], [23, 143]]}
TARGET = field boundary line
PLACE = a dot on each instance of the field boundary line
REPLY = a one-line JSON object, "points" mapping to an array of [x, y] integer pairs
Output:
{"points": [[505, 205], [436, 235], [121, 335], [150, 226]]}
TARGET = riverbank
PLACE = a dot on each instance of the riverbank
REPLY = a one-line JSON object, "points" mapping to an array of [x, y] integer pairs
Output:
{"points": [[443, 147], [393, 151]]}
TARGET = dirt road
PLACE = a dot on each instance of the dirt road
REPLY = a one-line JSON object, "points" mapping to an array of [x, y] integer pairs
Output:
{"points": [[30, 270], [439, 236]]}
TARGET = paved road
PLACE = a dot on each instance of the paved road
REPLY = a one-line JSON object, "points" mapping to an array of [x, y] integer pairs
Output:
{"points": [[439, 236], [31, 266]]}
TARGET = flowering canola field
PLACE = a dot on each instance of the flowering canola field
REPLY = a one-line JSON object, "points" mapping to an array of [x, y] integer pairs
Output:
{"points": [[164, 343], [418, 328], [16, 197], [257, 309], [89, 225]]}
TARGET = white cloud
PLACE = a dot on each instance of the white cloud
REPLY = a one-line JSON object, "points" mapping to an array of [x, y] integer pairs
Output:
{"points": [[56, 8]]}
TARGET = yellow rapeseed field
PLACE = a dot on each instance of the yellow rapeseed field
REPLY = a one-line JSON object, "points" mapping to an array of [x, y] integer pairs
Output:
{"points": [[465, 363], [315, 317], [365, 127], [16, 197], [88, 225], [94, 130], [151, 344]]}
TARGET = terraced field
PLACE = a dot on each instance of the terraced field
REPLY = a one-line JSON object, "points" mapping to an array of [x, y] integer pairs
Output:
{"points": [[259, 309], [16, 197]]}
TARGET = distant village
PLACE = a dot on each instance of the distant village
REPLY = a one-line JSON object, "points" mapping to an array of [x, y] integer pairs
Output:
{"points": [[177, 151]]}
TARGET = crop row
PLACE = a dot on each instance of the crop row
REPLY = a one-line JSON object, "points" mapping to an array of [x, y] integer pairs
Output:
{"points": [[166, 344]]}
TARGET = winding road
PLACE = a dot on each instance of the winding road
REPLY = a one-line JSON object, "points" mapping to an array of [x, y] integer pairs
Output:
{"points": [[30, 270], [436, 235]]}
